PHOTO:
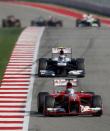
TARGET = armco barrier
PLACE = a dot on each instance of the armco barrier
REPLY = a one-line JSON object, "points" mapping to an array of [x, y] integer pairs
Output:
{"points": [[81, 4]]}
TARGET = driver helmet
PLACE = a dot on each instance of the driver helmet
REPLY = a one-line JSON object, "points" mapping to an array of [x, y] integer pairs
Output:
{"points": [[69, 88], [61, 52], [85, 16], [69, 85], [61, 56]]}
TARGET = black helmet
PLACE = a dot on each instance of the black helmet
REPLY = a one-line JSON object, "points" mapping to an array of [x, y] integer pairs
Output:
{"points": [[61, 52]]}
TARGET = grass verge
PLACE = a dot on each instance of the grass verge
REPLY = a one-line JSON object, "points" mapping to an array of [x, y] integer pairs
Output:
{"points": [[8, 37]]}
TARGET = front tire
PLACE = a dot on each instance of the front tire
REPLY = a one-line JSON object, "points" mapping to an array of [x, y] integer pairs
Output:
{"points": [[42, 65], [97, 102], [77, 22], [49, 103], [41, 100]]}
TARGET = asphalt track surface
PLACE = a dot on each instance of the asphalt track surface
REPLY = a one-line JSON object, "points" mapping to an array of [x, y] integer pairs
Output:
{"points": [[91, 43]]}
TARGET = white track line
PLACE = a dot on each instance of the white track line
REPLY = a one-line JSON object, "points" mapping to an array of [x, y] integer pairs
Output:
{"points": [[12, 109], [14, 87], [28, 106], [11, 99], [17, 84], [13, 95]]}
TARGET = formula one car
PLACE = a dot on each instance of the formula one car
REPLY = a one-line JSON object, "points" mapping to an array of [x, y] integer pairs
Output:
{"points": [[69, 101], [88, 21], [11, 21], [40, 21], [61, 64], [53, 22]]}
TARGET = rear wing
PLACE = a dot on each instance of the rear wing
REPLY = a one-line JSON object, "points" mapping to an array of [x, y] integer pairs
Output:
{"points": [[63, 82], [57, 50]]}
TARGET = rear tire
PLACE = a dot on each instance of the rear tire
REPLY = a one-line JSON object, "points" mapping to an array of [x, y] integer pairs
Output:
{"points": [[59, 24], [81, 66], [32, 23], [41, 100], [80, 63], [18, 23], [99, 23], [97, 102], [77, 22], [3, 23]]}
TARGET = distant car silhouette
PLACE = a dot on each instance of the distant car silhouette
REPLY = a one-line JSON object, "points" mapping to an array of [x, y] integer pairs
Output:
{"points": [[53, 22], [11, 21], [88, 21]]}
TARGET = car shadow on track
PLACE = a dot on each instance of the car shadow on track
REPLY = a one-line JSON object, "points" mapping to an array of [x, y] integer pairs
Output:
{"points": [[36, 114]]}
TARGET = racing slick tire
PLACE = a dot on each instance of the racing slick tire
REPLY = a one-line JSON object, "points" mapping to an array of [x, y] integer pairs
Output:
{"points": [[81, 66], [98, 23], [3, 23], [59, 24], [33, 23], [42, 65], [97, 102], [49, 103], [41, 100], [77, 22], [18, 23]]}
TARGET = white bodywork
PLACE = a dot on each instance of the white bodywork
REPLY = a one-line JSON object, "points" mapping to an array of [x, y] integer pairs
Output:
{"points": [[63, 82]]}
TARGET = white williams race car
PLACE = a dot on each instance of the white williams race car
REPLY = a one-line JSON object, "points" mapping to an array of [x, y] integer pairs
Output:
{"points": [[88, 21], [61, 64]]}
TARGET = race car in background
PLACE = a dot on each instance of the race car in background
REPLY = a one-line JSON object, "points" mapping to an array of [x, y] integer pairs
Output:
{"points": [[52, 22], [88, 21], [61, 64], [69, 101], [11, 21]]}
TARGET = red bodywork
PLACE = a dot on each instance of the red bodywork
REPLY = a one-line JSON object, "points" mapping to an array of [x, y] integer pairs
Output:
{"points": [[81, 98]]}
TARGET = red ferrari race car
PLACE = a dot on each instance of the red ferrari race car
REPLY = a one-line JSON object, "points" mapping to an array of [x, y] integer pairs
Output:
{"points": [[69, 101], [11, 21]]}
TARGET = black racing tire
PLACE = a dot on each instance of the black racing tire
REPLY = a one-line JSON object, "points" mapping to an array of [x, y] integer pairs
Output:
{"points": [[59, 24], [98, 23], [80, 63], [41, 100], [78, 22], [49, 103], [32, 23], [42, 65], [97, 102], [3, 23], [18, 23], [80, 66]]}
